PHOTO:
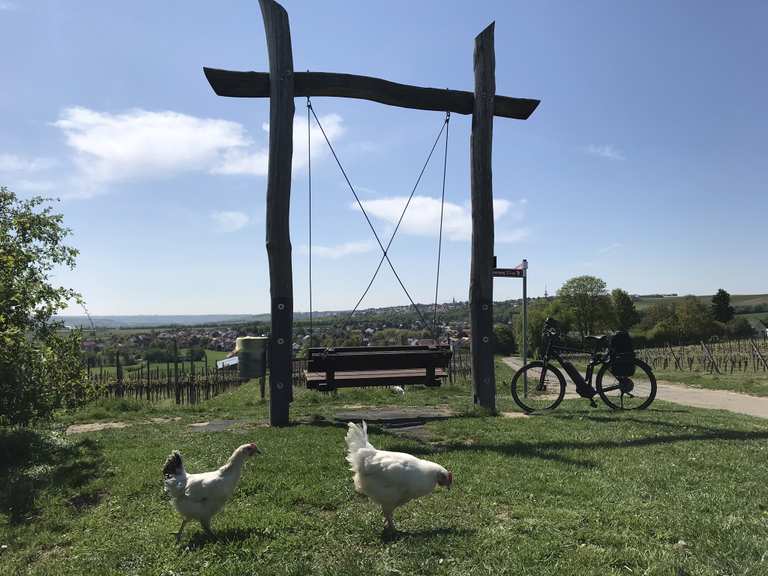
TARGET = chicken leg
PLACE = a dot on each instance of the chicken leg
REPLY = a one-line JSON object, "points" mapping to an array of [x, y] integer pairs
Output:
{"points": [[178, 534], [206, 524], [389, 522]]}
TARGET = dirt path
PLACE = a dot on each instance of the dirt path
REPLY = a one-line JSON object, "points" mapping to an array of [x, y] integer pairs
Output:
{"points": [[696, 397]]}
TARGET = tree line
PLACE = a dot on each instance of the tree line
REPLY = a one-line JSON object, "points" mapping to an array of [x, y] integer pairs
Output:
{"points": [[584, 306]]}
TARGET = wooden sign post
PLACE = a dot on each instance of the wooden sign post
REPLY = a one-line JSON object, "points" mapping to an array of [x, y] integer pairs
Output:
{"points": [[281, 85]]}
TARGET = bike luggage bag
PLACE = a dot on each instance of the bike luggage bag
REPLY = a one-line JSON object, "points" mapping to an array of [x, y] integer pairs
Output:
{"points": [[622, 355]]}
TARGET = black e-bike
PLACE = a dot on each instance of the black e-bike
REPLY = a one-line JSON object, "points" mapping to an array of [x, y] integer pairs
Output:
{"points": [[623, 382]]}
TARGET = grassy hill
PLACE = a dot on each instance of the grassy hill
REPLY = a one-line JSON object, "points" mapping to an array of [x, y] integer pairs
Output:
{"points": [[737, 300]]}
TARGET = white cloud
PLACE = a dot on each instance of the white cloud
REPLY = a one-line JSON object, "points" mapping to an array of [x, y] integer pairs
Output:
{"points": [[230, 221], [337, 251], [239, 161], [423, 216], [34, 186], [140, 144], [14, 163], [255, 163], [606, 151]]}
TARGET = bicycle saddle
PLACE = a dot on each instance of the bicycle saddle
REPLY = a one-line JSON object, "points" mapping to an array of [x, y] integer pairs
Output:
{"points": [[603, 339]]}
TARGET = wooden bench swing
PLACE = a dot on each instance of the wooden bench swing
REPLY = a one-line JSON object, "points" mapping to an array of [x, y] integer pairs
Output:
{"points": [[361, 366], [281, 85], [352, 367]]}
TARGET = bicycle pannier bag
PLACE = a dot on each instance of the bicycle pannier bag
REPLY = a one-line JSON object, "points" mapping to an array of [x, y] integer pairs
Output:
{"points": [[622, 355]]}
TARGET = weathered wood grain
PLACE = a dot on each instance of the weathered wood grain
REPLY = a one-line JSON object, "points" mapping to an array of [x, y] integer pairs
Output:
{"points": [[281, 112], [257, 85], [481, 273]]}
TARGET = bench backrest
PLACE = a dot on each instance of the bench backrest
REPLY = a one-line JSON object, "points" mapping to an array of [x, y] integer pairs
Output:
{"points": [[378, 358]]}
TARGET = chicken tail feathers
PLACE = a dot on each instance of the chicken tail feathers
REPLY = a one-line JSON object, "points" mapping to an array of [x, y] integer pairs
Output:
{"points": [[173, 465], [357, 439]]}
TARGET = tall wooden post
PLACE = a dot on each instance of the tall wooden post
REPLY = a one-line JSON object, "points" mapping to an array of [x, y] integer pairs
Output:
{"points": [[281, 85], [281, 111], [481, 275]]}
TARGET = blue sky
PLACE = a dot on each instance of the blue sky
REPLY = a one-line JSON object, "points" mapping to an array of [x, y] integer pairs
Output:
{"points": [[646, 163]]}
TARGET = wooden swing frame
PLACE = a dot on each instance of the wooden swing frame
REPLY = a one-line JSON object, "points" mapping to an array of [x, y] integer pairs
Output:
{"points": [[281, 85]]}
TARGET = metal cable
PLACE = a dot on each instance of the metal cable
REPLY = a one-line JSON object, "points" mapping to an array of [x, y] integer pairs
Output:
{"points": [[367, 218], [402, 215], [440, 235]]}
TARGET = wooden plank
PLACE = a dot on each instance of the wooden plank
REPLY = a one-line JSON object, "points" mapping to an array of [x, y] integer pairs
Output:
{"points": [[371, 378], [320, 376], [256, 85], [481, 278], [344, 349], [278, 33], [381, 361]]}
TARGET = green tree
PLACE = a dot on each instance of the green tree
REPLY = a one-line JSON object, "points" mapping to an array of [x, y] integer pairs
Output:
{"points": [[722, 311], [538, 311], [694, 319], [40, 362], [504, 339], [587, 300], [624, 308], [739, 328]]}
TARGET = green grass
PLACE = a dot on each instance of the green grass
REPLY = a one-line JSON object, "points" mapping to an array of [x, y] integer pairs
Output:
{"points": [[211, 355], [736, 300], [579, 492]]}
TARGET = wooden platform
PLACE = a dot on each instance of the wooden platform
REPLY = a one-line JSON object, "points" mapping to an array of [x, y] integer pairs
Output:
{"points": [[354, 379]]}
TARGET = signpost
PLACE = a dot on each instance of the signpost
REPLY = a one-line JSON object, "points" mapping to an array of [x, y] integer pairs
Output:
{"points": [[519, 271]]}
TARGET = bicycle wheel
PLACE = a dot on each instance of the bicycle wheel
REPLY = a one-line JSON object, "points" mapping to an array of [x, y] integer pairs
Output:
{"points": [[536, 387], [633, 393]]}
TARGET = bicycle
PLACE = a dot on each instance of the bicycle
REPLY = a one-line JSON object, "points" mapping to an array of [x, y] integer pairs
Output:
{"points": [[623, 382]]}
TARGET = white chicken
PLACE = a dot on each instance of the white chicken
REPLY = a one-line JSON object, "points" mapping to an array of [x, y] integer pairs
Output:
{"points": [[390, 478], [200, 496]]}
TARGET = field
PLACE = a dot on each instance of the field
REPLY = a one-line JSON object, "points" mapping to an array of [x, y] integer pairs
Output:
{"points": [[211, 355], [736, 300], [736, 365], [581, 491]]}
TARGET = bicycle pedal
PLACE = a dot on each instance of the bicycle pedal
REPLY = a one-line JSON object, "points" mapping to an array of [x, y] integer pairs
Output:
{"points": [[592, 403]]}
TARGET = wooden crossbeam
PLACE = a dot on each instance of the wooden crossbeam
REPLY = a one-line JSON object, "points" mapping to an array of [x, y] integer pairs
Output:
{"points": [[256, 85]]}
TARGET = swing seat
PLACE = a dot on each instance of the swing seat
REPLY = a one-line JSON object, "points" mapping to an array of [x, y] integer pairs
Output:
{"points": [[356, 367]]}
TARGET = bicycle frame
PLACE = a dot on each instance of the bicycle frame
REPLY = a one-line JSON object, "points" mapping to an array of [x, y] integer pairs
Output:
{"points": [[583, 383]]}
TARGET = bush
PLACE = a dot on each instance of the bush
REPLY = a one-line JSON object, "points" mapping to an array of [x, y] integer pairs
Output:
{"points": [[41, 367], [504, 339], [739, 328], [158, 355]]}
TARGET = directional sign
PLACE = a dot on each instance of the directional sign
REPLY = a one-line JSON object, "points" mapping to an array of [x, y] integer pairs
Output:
{"points": [[509, 272]]}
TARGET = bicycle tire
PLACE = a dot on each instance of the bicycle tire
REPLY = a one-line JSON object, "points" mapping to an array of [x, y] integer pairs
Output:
{"points": [[609, 399], [525, 402]]}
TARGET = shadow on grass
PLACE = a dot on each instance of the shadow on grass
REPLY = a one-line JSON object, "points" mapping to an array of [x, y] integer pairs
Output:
{"points": [[552, 450], [223, 536], [32, 463], [388, 536]]}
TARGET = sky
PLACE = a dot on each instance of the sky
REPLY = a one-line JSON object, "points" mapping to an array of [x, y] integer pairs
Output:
{"points": [[645, 164]]}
